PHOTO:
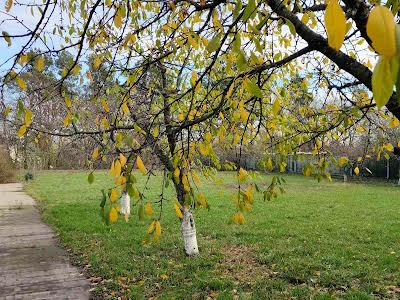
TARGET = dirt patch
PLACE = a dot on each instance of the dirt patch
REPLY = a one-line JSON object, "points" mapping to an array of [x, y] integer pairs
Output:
{"points": [[240, 262]]}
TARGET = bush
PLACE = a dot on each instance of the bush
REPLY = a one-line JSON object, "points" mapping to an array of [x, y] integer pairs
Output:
{"points": [[7, 168]]}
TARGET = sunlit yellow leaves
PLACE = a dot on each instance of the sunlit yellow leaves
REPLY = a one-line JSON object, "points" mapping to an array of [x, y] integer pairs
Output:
{"points": [[114, 195], [140, 165], [335, 24], [9, 4], [117, 168], [194, 78], [122, 159], [238, 218], [158, 228], [151, 228], [156, 131], [125, 108], [394, 122], [97, 62], [118, 18], [95, 153], [104, 123], [202, 199], [343, 161], [21, 131], [28, 117], [185, 183], [148, 209], [305, 18], [68, 102], [178, 210], [105, 105], [67, 119], [112, 169], [382, 82], [381, 30], [113, 215], [389, 147], [21, 83], [6, 112], [40, 64], [356, 170], [204, 149], [177, 172], [242, 174]]}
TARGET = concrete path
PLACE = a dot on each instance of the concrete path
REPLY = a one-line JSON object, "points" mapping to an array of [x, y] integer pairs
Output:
{"points": [[32, 266]]}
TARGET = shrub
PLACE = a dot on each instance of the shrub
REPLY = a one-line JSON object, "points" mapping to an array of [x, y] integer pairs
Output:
{"points": [[7, 168]]}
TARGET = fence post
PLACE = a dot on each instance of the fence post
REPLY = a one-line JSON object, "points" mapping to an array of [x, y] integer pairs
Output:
{"points": [[387, 169]]}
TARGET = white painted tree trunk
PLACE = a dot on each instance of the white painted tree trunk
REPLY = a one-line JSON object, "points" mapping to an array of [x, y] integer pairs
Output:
{"points": [[189, 233]]}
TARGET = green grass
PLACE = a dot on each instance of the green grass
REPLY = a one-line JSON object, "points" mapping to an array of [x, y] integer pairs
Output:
{"points": [[318, 240]]}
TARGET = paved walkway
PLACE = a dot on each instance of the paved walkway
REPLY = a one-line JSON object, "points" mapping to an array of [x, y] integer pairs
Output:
{"points": [[32, 266]]}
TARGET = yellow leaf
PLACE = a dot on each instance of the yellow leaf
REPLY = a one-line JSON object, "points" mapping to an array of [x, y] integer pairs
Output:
{"points": [[21, 83], [242, 174], [118, 18], [158, 228], [114, 195], [208, 137], [117, 168], [105, 105], [155, 132], [389, 147], [97, 62], [148, 209], [185, 183], [68, 102], [181, 117], [9, 4], [202, 199], [112, 169], [113, 215], [21, 131], [40, 64], [194, 78], [305, 18], [122, 159], [125, 108], [335, 24], [67, 119], [178, 211], [343, 161], [140, 165], [95, 153], [238, 218], [76, 70], [276, 106], [394, 122], [382, 82], [28, 117], [177, 172], [381, 30], [356, 170], [151, 227]]}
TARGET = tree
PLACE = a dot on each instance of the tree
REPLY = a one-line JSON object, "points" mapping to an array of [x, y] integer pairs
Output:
{"points": [[177, 75]]}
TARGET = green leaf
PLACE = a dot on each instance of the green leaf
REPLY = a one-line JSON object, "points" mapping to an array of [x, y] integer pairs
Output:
{"points": [[6, 37], [291, 27], [248, 11], [241, 61], [382, 82], [90, 178], [214, 44], [141, 212], [252, 88], [238, 8], [104, 199]]}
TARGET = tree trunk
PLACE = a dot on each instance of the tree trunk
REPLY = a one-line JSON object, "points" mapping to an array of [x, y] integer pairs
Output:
{"points": [[188, 226], [189, 233]]}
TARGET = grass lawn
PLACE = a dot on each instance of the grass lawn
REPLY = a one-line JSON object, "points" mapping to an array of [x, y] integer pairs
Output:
{"points": [[318, 240]]}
